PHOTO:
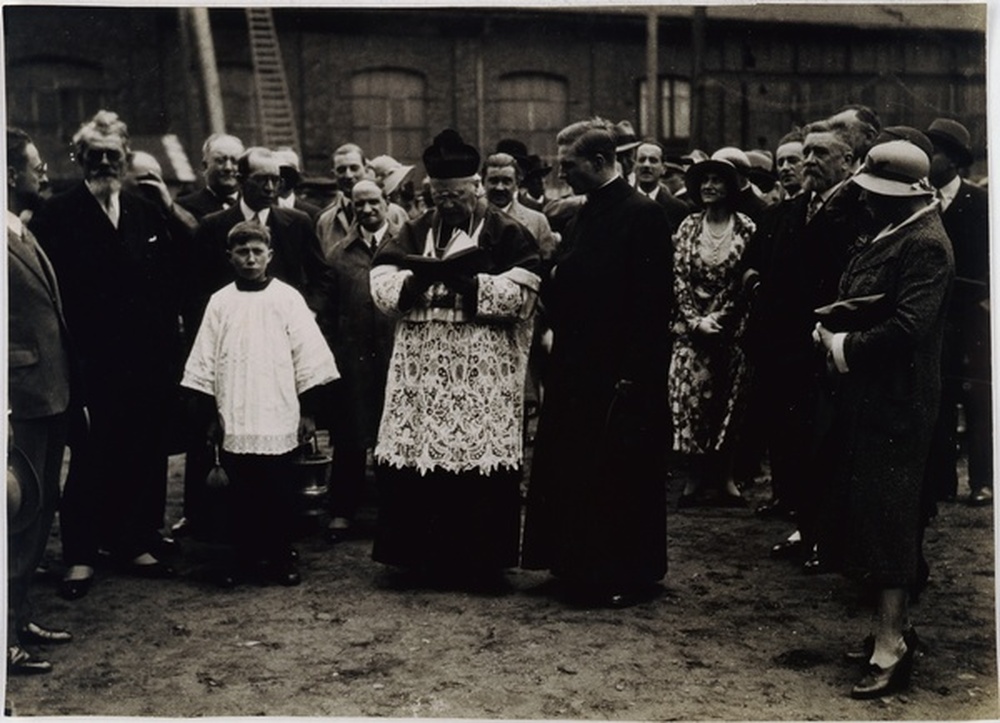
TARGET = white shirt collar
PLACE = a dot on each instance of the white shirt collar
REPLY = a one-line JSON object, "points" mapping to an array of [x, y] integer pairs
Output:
{"points": [[378, 234], [288, 202], [249, 213], [14, 223], [113, 202], [948, 191], [650, 194]]}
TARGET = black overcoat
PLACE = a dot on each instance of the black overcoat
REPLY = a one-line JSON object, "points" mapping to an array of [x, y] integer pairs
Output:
{"points": [[596, 503]]}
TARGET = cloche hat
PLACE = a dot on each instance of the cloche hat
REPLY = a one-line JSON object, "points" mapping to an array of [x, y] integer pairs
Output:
{"points": [[896, 168]]}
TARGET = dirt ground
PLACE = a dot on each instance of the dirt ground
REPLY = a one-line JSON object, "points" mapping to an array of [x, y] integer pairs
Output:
{"points": [[734, 636]]}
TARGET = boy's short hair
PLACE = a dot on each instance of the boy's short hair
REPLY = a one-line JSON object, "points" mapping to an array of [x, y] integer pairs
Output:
{"points": [[247, 231]]}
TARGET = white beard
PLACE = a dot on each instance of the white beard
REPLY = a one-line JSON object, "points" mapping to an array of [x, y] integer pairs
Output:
{"points": [[103, 187]]}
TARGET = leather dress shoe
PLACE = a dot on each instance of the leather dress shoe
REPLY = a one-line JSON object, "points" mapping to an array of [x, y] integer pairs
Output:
{"points": [[730, 500], [153, 571], [816, 565], [181, 528], [983, 497], [863, 653], [74, 589], [878, 681], [773, 509], [35, 634], [786, 550], [287, 574], [692, 499], [20, 662]]}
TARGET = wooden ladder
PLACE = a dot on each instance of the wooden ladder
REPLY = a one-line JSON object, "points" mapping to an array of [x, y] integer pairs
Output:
{"points": [[273, 99]]}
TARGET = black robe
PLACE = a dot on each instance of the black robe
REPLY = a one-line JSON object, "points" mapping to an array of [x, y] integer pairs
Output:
{"points": [[596, 509]]}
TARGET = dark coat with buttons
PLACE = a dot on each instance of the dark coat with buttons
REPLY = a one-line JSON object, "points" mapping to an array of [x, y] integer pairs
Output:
{"points": [[120, 288], [359, 334], [596, 503]]}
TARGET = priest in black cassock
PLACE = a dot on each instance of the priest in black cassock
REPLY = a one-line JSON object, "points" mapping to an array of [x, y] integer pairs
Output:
{"points": [[596, 515], [462, 280]]}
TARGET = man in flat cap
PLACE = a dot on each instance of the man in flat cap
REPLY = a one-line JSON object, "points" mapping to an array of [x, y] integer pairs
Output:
{"points": [[462, 281], [966, 365]]}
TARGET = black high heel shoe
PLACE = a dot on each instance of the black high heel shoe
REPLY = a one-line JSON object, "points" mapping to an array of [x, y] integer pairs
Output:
{"points": [[878, 681]]}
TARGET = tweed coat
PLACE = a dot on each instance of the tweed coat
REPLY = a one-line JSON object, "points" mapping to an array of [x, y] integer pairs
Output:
{"points": [[887, 403], [596, 502], [38, 365]]}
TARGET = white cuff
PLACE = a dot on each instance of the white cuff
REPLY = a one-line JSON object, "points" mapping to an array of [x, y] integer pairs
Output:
{"points": [[837, 349]]}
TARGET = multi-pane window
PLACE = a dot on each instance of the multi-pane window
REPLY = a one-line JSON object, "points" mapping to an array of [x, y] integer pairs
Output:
{"points": [[675, 108], [388, 113]]}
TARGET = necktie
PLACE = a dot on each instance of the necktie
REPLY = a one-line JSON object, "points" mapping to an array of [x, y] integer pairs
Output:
{"points": [[112, 210], [814, 205]]}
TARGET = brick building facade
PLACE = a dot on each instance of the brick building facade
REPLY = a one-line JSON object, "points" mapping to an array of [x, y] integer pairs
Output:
{"points": [[390, 79]]}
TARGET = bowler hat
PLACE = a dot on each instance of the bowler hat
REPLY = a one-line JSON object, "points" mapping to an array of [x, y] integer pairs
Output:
{"points": [[625, 137], [24, 492], [906, 133], [697, 172], [953, 138], [535, 167], [450, 157], [896, 168]]}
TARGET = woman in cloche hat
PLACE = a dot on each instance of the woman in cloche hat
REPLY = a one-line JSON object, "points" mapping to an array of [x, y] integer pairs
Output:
{"points": [[883, 343]]}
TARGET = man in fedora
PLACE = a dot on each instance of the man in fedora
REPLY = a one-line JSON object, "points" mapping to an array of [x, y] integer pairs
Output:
{"points": [[966, 366], [532, 172], [38, 370]]}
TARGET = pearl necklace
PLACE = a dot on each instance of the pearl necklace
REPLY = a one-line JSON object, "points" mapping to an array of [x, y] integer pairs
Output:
{"points": [[715, 243]]}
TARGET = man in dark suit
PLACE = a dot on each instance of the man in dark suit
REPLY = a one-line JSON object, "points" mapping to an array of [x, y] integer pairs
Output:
{"points": [[297, 260], [966, 366], [218, 161], [118, 273], [794, 264], [38, 374], [649, 168], [361, 338]]}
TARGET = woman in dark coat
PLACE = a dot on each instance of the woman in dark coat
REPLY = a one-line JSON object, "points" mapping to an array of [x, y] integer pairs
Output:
{"points": [[596, 505], [884, 345]]}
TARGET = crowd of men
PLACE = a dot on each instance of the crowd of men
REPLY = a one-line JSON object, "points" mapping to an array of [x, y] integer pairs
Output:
{"points": [[443, 352]]}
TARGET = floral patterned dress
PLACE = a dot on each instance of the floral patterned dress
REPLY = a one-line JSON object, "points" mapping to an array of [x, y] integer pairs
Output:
{"points": [[707, 374]]}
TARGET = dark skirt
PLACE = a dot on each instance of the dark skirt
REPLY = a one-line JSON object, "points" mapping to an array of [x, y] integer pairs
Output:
{"points": [[462, 522]]}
